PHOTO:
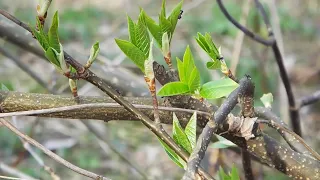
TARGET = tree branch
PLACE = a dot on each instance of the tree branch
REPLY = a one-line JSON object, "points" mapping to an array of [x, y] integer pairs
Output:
{"points": [[311, 99]]}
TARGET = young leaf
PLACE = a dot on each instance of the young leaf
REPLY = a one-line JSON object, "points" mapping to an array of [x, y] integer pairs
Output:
{"points": [[52, 55], [267, 99], [174, 16], [42, 39], [222, 143], [142, 36], [148, 64], [165, 45], [179, 135], [188, 63], [132, 52], [154, 29], [234, 173], [173, 88], [165, 26], [173, 156], [94, 51], [223, 175], [62, 61], [181, 71], [191, 130], [214, 65], [218, 89], [194, 80], [131, 29], [3, 87], [53, 33], [201, 40]]}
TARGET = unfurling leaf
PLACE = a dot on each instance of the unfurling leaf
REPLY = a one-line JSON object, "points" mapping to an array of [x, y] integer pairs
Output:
{"points": [[52, 55], [218, 89], [179, 136], [173, 156], [173, 88], [148, 64], [191, 130], [62, 61], [267, 100], [142, 35], [194, 80], [53, 33], [165, 45], [132, 52], [182, 75], [94, 51]]}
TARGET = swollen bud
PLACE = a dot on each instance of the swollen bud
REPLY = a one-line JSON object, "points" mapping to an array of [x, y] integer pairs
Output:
{"points": [[165, 44], [94, 51], [73, 87], [148, 64]]}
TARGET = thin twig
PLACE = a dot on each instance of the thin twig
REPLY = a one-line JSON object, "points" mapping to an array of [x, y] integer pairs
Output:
{"points": [[278, 127], [239, 39], [14, 172], [247, 32], [51, 154], [89, 76], [311, 99]]}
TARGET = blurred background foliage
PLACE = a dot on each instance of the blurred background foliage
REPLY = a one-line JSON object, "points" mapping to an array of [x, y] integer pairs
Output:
{"points": [[83, 22]]}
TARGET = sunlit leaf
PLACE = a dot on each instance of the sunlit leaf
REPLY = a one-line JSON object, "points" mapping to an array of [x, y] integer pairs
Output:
{"points": [[132, 52], [154, 29], [217, 89], [234, 173], [173, 88], [188, 63], [191, 130]]}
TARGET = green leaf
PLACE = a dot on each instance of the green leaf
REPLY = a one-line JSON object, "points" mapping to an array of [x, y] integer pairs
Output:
{"points": [[62, 61], [214, 65], [165, 26], [191, 130], [3, 87], [142, 36], [173, 88], [181, 71], [94, 51], [267, 100], [194, 80], [179, 135], [173, 156], [222, 143], [174, 16], [218, 89], [201, 40], [154, 29], [42, 39], [163, 9], [132, 52], [223, 175], [131, 29], [188, 63], [52, 55], [53, 33], [234, 173]]}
